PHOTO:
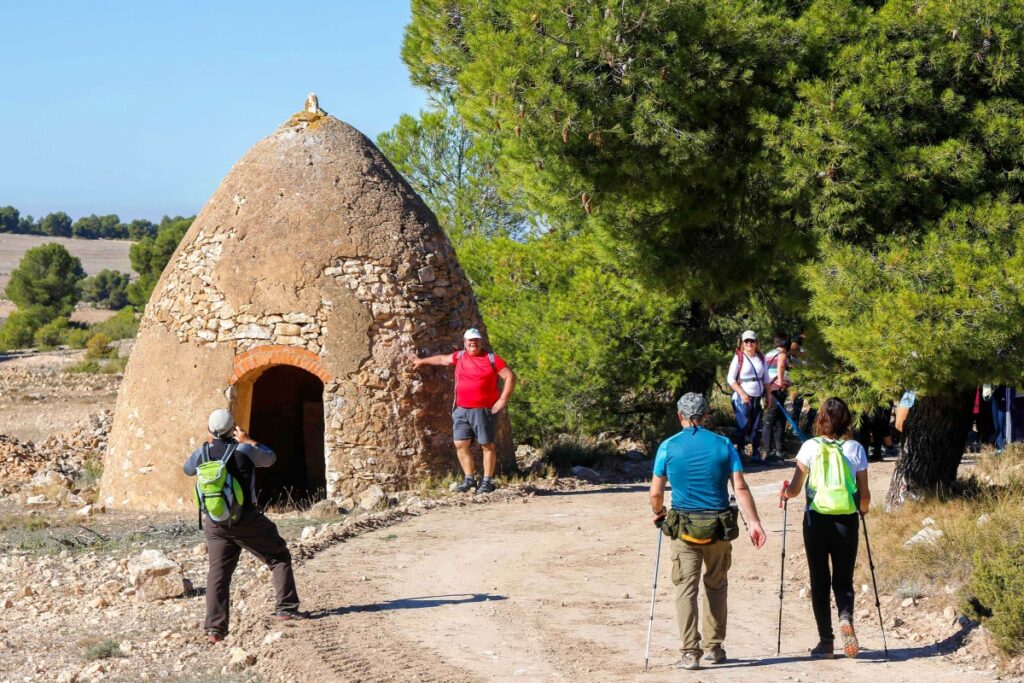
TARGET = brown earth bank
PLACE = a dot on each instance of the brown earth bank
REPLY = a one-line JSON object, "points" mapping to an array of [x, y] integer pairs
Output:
{"points": [[548, 580]]}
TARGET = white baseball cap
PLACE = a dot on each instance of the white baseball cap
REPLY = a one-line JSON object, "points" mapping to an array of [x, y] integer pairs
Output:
{"points": [[220, 423], [749, 335], [472, 333]]}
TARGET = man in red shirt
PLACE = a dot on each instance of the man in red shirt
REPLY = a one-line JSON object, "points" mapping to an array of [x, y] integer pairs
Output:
{"points": [[477, 401]]}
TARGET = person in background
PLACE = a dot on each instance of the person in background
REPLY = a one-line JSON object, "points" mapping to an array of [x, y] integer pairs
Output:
{"points": [[778, 381], [748, 377]]}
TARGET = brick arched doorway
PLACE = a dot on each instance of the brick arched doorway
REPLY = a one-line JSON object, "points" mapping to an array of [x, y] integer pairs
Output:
{"points": [[278, 399]]}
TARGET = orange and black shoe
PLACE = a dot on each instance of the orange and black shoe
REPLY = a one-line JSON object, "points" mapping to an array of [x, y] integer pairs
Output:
{"points": [[851, 648]]}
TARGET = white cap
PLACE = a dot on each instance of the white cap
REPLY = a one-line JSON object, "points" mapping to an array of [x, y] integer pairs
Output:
{"points": [[749, 335], [472, 333], [221, 423]]}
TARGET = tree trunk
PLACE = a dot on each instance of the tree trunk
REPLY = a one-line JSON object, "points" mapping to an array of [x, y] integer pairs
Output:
{"points": [[934, 436]]}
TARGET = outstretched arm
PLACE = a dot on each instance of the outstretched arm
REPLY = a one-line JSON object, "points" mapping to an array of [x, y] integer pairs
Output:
{"points": [[749, 510], [417, 362]]}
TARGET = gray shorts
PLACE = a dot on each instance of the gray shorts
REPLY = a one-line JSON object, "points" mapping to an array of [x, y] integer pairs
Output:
{"points": [[473, 423]]}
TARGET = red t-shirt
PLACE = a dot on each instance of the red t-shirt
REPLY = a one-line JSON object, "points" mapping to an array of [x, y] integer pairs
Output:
{"points": [[476, 382]]}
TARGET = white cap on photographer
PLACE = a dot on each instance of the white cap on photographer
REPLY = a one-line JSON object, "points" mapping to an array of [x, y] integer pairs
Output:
{"points": [[221, 423], [749, 335]]}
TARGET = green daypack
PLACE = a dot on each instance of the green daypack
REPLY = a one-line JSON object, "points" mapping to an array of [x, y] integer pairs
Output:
{"points": [[832, 480], [217, 492]]}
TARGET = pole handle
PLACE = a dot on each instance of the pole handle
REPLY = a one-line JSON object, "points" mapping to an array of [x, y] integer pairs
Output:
{"points": [[785, 485]]}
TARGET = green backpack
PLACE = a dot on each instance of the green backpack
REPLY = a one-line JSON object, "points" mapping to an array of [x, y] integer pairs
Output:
{"points": [[832, 481], [217, 493]]}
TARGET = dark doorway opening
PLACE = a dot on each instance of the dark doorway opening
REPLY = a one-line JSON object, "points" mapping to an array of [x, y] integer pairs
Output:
{"points": [[287, 414]]}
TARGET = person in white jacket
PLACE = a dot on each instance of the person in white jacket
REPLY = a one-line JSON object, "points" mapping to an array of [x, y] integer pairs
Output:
{"points": [[748, 377]]}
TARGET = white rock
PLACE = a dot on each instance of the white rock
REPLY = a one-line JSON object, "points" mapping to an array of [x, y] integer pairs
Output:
{"points": [[927, 521], [929, 535], [907, 602], [803, 593], [84, 511], [949, 613], [372, 498], [308, 533], [239, 658], [984, 519], [155, 576], [199, 549], [272, 637]]}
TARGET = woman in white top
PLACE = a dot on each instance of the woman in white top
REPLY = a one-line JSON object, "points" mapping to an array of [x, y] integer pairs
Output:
{"points": [[831, 535], [748, 377]]}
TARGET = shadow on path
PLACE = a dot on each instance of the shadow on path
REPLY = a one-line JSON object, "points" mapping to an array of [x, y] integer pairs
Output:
{"points": [[408, 603]]}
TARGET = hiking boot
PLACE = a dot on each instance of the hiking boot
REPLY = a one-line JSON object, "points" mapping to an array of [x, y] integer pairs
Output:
{"points": [[288, 615], [715, 655], [690, 661], [773, 458], [486, 486], [825, 649], [890, 452], [850, 645], [214, 637], [467, 484]]}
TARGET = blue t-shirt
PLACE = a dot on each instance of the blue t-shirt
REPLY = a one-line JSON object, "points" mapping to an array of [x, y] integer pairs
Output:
{"points": [[698, 464]]}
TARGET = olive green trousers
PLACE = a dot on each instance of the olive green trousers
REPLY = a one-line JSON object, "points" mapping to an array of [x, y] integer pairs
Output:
{"points": [[687, 560]]}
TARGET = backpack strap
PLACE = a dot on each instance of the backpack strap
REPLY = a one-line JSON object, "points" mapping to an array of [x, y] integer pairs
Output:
{"points": [[228, 452]]}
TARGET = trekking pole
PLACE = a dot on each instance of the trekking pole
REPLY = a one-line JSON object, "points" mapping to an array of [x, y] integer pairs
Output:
{"points": [[654, 593], [792, 423], [784, 504], [874, 584]]}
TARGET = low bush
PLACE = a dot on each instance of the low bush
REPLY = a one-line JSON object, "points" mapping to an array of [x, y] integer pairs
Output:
{"points": [[98, 347], [122, 325], [18, 331], [995, 595], [568, 451], [52, 334], [83, 366], [77, 337], [104, 649]]}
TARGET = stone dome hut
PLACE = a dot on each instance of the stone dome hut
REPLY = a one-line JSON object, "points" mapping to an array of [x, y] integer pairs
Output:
{"points": [[292, 301]]}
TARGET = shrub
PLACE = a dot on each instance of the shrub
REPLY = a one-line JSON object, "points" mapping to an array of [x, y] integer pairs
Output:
{"points": [[18, 332], [114, 366], [567, 451], [107, 289], [53, 333], [105, 649], [98, 346], [996, 595], [84, 366], [123, 325], [77, 337]]}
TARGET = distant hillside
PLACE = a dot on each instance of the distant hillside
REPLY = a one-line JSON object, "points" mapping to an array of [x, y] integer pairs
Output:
{"points": [[95, 254]]}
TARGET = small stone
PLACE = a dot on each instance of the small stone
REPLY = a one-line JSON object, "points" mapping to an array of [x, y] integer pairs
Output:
{"points": [[199, 549], [372, 498], [949, 613], [155, 576], [24, 592], [240, 659], [803, 593], [6, 603], [929, 535], [984, 519], [927, 521], [308, 533], [625, 596], [907, 602], [272, 637], [84, 512]]}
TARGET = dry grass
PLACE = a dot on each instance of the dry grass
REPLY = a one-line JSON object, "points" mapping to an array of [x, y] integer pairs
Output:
{"points": [[979, 520], [94, 254]]}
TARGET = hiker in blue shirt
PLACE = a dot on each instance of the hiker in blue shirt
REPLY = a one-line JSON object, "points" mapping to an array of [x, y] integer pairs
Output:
{"points": [[699, 465]]}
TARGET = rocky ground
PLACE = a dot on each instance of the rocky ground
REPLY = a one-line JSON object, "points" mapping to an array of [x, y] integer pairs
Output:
{"points": [[548, 579]]}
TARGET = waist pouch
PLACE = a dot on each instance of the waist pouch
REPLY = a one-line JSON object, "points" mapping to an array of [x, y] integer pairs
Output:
{"points": [[702, 527]]}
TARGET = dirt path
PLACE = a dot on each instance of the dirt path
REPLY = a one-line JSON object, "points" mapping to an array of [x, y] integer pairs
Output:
{"points": [[556, 588]]}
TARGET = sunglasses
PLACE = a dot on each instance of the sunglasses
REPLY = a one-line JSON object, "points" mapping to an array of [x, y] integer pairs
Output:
{"points": [[749, 341]]}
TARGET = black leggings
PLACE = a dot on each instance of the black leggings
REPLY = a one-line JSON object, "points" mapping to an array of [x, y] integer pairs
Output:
{"points": [[832, 536]]}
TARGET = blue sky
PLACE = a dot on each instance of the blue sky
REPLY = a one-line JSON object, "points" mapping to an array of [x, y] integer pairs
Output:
{"points": [[140, 108]]}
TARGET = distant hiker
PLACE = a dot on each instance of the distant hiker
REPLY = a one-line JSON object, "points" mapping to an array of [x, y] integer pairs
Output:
{"points": [[702, 524], [874, 434], [774, 433], [836, 472], [477, 401], [748, 376], [239, 523]]}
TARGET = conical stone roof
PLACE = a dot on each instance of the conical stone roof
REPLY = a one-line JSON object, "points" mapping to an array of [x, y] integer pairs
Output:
{"points": [[314, 252]]}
